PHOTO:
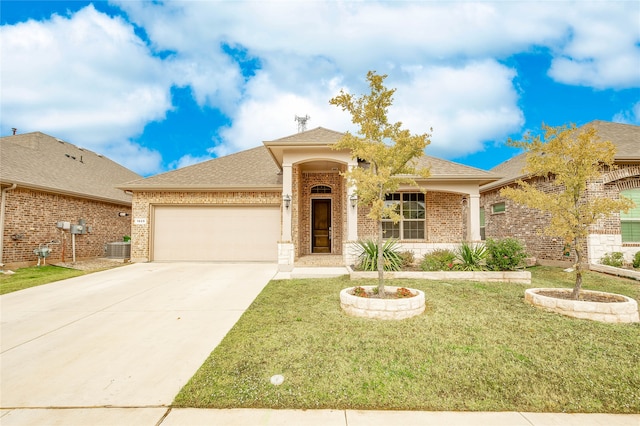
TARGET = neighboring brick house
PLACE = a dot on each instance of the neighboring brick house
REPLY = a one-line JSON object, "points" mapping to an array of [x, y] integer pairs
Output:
{"points": [[46, 182], [286, 201], [501, 217]]}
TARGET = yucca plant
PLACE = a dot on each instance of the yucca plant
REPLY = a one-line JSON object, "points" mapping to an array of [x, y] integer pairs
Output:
{"points": [[368, 258], [471, 258]]}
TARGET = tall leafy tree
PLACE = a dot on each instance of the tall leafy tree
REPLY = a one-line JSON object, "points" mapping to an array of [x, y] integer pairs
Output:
{"points": [[388, 151], [571, 159]]}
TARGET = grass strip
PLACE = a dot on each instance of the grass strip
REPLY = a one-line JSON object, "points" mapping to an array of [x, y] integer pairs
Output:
{"points": [[478, 347]]}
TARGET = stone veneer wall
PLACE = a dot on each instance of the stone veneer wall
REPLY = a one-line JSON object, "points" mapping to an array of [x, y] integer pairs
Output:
{"points": [[142, 202], [307, 181], [33, 215]]}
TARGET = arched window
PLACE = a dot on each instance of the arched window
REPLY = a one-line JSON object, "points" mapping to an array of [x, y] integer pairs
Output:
{"points": [[321, 189], [630, 221]]}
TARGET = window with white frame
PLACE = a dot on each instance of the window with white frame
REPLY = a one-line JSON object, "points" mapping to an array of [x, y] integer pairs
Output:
{"points": [[411, 208], [630, 221]]}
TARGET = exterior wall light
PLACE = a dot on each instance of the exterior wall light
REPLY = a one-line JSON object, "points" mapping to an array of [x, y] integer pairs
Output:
{"points": [[354, 200], [287, 200], [123, 214]]}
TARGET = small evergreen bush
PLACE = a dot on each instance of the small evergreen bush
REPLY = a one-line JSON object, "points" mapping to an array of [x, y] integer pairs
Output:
{"points": [[408, 258], [471, 257], [438, 260], [615, 259], [636, 260], [368, 258], [507, 254]]}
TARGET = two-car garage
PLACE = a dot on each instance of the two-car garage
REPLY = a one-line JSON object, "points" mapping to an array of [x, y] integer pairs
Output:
{"points": [[244, 233]]}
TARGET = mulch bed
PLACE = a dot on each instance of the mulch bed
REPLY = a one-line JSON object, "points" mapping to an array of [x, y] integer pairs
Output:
{"points": [[586, 297]]}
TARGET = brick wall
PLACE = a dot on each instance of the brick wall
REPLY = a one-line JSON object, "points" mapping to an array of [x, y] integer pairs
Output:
{"points": [[528, 225], [142, 202], [33, 216], [444, 219]]}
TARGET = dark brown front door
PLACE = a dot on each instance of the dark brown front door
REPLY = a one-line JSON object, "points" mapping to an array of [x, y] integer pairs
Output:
{"points": [[321, 221]]}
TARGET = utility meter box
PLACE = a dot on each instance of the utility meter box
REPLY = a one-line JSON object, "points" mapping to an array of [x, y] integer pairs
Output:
{"points": [[78, 229]]}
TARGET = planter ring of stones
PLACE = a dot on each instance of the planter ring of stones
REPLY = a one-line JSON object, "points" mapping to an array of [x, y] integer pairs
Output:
{"points": [[386, 309]]}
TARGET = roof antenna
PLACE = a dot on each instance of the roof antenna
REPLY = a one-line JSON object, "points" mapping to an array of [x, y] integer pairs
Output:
{"points": [[302, 123]]}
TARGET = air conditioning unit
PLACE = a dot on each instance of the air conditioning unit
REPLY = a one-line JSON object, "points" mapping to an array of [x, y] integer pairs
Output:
{"points": [[119, 250]]}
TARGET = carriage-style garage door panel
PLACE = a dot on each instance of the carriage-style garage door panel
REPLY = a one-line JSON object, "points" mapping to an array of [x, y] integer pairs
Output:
{"points": [[216, 233]]}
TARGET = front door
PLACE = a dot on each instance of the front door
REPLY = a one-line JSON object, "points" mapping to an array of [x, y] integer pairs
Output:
{"points": [[321, 223]]}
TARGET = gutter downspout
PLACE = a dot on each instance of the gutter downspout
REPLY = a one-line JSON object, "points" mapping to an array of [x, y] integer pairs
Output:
{"points": [[2, 208]]}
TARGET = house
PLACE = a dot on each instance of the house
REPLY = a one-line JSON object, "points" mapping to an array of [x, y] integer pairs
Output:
{"points": [[285, 201], [54, 194], [501, 217]]}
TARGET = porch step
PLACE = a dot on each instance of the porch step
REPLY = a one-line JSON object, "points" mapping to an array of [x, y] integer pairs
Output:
{"points": [[319, 260]]}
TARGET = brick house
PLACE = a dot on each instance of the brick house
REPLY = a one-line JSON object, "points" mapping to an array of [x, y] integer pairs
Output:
{"points": [[501, 217], [48, 187], [286, 202]]}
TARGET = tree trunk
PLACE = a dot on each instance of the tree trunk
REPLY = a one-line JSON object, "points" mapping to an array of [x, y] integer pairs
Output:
{"points": [[575, 294], [380, 262]]}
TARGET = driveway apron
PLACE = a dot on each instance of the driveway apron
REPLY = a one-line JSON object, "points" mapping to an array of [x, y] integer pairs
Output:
{"points": [[125, 337]]}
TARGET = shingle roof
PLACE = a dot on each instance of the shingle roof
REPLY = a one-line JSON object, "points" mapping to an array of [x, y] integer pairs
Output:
{"points": [[448, 170], [626, 137], [257, 169], [253, 168], [39, 161], [317, 136]]}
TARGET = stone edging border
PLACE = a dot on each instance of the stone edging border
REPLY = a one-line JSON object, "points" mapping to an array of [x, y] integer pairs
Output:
{"points": [[385, 309], [518, 277], [614, 312]]}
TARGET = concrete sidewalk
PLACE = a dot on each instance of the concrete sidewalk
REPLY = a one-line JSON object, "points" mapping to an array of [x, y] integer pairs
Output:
{"points": [[162, 416]]}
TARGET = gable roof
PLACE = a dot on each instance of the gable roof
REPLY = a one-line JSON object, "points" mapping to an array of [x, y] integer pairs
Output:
{"points": [[448, 170], [625, 137], [252, 169], [42, 162], [313, 137], [258, 168]]}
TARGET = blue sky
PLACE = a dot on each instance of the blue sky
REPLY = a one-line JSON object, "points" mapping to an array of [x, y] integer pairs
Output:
{"points": [[164, 84]]}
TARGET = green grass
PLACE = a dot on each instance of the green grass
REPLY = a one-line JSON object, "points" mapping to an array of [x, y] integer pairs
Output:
{"points": [[35, 276], [477, 347]]}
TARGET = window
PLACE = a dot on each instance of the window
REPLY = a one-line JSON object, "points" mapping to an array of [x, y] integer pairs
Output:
{"points": [[321, 189], [498, 208], [482, 224], [411, 208], [630, 221]]}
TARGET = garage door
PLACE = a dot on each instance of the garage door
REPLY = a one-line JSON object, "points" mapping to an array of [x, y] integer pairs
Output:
{"points": [[216, 233]]}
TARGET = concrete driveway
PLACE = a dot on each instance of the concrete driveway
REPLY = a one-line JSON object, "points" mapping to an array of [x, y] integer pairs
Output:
{"points": [[125, 337]]}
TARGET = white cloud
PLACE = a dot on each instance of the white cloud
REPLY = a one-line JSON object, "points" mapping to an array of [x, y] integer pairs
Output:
{"points": [[87, 78], [602, 49], [93, 81], [268, 111], [464, 105], [630, 116]]}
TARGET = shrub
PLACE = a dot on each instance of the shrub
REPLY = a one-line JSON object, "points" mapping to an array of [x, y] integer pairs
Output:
{"points": [[471, 257], [368, 258], [636, 260], [408, 258], [507, 254], [615, 259], [438, 260]]}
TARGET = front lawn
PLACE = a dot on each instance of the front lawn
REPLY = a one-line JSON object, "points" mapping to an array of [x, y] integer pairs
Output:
{"points": [[34, 276], [477, 347]]}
